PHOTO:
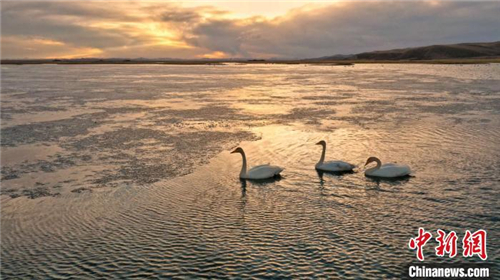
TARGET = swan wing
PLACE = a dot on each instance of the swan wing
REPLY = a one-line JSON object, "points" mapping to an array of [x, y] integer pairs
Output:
{"points": [[264, 171], [391, 170], [336, 166]]}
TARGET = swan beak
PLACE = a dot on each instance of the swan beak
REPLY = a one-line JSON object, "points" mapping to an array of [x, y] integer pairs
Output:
{"points": [[233, 152], [319, 143]]}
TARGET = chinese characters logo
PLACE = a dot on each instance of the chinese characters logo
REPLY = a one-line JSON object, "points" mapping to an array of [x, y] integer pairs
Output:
{"points": [[472, 243]]}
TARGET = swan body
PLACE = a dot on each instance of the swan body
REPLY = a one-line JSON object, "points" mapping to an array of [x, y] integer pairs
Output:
{"points": [[388, 170], [264, 171], [334, 165]]}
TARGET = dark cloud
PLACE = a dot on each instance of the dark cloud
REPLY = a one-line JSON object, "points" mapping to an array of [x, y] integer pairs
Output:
{"points": [[337, 28], [355, 27], [180, 16], [219, 35], [86, 10], [43, 19]]}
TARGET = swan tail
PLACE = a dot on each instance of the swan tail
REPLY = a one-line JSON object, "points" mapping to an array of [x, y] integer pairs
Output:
{"points": [[278, 171]]}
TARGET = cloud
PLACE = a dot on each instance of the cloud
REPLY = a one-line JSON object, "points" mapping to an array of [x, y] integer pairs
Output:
{"points": [[220, 35], [22, 47], [138, 29], [71, 23], [179, 16], [354, 27]]}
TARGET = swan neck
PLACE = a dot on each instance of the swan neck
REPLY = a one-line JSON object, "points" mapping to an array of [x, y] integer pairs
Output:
{"points": [[373, 169], [322, 159], [243, 171]]}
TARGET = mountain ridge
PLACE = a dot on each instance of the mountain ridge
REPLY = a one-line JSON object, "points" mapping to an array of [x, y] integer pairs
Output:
{"points": [[432, 52]]}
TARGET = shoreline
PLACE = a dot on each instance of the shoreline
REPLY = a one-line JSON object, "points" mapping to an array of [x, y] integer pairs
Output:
{"points": [[346, 62]]}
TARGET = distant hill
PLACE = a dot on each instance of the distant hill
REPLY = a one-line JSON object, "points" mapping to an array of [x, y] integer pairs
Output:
{"points": [[466, 50], [334, 57], [456, 53]]}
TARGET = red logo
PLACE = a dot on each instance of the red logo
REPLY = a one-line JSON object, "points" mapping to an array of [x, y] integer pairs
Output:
{"points": [[475, 244], [472, 243], [419, 242], [447, 244]]}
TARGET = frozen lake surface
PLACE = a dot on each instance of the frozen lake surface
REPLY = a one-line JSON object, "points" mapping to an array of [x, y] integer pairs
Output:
{"points": [[125, 170]]}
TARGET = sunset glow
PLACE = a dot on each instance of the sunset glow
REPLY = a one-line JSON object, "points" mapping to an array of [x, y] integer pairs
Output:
{"points": [[203, 29]]}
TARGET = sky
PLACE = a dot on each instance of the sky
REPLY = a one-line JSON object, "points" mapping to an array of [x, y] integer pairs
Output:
{"points": [[237, 29]]}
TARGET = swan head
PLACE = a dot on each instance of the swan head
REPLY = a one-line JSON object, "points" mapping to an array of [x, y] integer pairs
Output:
{"points": [[322, 143], [237, 150], [372, 159]]}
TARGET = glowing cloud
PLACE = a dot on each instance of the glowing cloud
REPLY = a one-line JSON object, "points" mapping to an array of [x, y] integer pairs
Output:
{"points": [[262, 30]]}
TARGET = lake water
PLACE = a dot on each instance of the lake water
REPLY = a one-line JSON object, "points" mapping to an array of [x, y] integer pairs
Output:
{"points": [[124, 170]]}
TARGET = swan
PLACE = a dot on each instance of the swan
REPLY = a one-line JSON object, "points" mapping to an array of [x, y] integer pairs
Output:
{"points": [[264, 171], [332, 166], [388, 170]]}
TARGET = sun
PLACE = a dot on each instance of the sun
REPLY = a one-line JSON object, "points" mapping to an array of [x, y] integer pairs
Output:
{"points": [[213, 55]]}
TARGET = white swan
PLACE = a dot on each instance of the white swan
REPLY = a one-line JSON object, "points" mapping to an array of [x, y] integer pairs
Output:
{"points": [[388, 170], [332, 166], [259, 172]]}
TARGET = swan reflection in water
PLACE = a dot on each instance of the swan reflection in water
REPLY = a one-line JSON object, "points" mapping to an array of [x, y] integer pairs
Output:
{"points": [[398, 181], [261, 182], [333, 173]]}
